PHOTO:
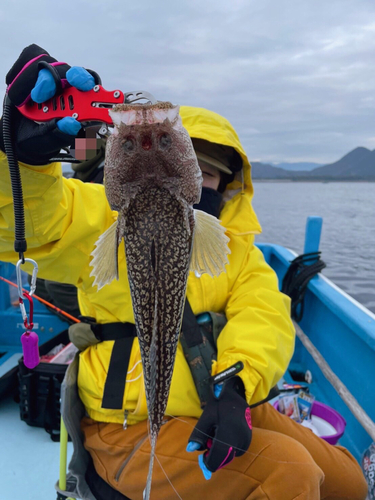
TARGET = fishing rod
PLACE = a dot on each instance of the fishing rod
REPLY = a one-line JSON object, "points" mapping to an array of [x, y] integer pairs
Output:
{"points": [[45, 302]]}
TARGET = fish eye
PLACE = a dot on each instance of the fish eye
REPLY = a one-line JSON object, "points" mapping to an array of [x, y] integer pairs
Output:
{"points": [[128, 143], [165, 141]]}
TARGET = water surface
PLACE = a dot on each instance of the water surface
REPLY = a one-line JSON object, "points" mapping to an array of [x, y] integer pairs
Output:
{"points": [[348, 234]]}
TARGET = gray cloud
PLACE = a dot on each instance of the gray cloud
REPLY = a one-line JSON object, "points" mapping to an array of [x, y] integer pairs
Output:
{"points": [[295, 77]]}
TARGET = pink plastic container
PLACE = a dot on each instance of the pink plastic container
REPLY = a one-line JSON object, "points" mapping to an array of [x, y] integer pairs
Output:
{"points": [[321, 415]]}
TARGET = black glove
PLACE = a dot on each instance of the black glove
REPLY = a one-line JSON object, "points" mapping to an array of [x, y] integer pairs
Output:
{"points": [[224, 428], [22, 76], [35, 143]]}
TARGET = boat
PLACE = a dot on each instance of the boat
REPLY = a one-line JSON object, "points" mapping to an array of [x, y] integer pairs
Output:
{"points": [[341, 330]]}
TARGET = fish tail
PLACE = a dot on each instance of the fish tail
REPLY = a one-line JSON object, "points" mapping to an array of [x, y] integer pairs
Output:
{"points": [[147, 490]]}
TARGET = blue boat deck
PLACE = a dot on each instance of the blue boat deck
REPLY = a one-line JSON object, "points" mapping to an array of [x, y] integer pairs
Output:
{"points": [[29, 460]]}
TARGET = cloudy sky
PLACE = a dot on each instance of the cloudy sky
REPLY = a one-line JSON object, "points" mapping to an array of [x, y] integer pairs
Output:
{"points": [[295, 77]]}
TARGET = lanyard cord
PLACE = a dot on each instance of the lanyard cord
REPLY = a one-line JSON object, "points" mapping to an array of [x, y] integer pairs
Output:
{"points": [[20, 244]]}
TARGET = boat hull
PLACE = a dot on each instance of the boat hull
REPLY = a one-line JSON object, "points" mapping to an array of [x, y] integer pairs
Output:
{"points": [[343, 331]]}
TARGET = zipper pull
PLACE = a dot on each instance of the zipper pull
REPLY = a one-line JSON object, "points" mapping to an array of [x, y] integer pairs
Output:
{"points": [[125, 424]]}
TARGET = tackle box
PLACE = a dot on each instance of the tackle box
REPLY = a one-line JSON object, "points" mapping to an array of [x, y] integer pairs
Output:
{"points": [[39, 389]]}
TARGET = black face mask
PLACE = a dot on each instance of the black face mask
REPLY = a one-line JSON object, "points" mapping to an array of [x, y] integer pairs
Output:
{"points": [[210, 202]]}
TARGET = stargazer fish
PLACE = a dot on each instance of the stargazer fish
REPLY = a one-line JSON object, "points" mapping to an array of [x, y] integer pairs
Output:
{"points": [[152, 178]]}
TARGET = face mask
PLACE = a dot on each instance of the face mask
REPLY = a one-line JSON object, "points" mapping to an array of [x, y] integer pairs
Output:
{"points": [[210, 202]]}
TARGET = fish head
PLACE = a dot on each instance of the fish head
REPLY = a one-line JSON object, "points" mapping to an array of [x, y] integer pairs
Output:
{"points": [[149, 146]]}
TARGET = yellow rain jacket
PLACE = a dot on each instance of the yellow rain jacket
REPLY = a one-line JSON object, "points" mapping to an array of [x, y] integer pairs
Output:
{"points": [[65, 217]]}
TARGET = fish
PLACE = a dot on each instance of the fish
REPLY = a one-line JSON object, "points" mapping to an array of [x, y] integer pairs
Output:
{"points": [[152, 179]]}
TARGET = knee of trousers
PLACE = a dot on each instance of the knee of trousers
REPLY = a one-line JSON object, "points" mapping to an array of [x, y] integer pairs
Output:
{"points": [[284, 461]]}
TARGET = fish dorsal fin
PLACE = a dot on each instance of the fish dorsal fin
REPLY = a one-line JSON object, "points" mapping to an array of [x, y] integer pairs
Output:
{"points": [[105, 257], [210, 246]]}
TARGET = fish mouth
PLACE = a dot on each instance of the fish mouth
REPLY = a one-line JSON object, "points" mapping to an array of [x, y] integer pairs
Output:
{"points": [[148, 106], [144, 114]]}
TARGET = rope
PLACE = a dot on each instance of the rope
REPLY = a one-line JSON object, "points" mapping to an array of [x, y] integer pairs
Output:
{"points": [[297, 278], [336, 383]]}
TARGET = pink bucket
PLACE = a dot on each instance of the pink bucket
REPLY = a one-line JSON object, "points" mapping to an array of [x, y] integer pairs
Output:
{"points": [[329, 418]]}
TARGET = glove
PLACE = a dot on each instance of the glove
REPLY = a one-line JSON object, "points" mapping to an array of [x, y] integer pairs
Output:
{"points": [[37, 74], [224, 429], [25, 73]]}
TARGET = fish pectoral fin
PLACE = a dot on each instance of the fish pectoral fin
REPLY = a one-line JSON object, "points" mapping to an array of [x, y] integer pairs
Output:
{"points": [[210, 246], [105, 257]]}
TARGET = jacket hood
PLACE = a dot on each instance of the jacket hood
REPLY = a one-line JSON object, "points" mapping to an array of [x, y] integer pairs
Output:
{"points": [[237, 215]]}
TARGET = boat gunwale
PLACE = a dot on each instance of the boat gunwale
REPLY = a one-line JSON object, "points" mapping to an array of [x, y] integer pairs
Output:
{"points": [[351, 312]]}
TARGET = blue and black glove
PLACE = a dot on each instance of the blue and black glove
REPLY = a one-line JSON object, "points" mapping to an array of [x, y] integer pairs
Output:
{"points": [[39, 76], [224, 429]]}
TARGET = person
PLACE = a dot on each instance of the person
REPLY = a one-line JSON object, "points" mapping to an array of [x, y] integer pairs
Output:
{"points": [[273, 457], [91, 166], [89, 169]]}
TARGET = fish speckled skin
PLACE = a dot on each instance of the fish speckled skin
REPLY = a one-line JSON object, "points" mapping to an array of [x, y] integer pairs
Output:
{"points": [[152, 179], [157, 251]]}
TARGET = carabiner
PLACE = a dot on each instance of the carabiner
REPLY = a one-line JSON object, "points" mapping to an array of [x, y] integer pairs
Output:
{"points": [[28, 324], [19, 277]]}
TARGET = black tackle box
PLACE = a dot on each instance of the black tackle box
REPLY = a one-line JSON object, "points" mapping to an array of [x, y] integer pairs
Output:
{"points": [[39, 389]]}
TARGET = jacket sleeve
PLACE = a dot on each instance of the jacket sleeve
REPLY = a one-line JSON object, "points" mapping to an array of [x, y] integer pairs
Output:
{"points": [[63, 219], [259, 331]]}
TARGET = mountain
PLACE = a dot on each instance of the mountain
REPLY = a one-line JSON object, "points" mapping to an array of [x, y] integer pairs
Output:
{"points": [[358, 164], [302, 165], [265, 171]]}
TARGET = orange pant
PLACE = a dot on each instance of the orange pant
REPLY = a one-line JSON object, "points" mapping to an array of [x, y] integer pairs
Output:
{"points": [[285, 461]]}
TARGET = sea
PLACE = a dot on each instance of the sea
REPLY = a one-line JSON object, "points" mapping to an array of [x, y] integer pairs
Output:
{"points": [[348, 234]]}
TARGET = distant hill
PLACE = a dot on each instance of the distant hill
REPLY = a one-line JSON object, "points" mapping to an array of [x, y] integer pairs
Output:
{"points": [[302, 165], [359, 164], [266, 171]]}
